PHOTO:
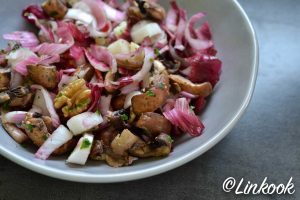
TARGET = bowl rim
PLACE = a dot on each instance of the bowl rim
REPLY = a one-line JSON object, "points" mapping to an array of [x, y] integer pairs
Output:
{"points": [[147, 172]]}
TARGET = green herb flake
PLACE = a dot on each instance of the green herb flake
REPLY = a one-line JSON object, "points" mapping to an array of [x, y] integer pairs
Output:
{"points": [[151, 60], [53, 13], [170, 139], [150, 93], [124, 117], [98, 112], [30, 127], [156, 51], [85, 144], [45, 137]]}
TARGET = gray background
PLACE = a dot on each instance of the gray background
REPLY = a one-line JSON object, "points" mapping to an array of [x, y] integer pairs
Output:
{"points": [[265, 143]]}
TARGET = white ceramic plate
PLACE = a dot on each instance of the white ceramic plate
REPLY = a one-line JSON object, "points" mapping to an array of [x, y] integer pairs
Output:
{"points": [[236, 41]]}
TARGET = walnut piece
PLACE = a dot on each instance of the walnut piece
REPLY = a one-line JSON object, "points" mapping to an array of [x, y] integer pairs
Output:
{"points": [[74, 98]]}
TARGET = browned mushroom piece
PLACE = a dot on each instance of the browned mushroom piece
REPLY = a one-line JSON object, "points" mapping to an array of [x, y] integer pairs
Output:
{"points": [[45, 76], [17, 134], [155, 11], [134, 62], [35, 129], [149, 101], [85, 72], [109, 77], [101, 152], [122, 142], [55, 8], [22, 102], [97, 151], [117, 102], [48, 123], [162, 147], [156, 96], [145, 9], [4, 97], [154, 123], [107, 135], [134, 14], [71, 2], [5, 75], [114, 160], [202, 89], [17, 97]]}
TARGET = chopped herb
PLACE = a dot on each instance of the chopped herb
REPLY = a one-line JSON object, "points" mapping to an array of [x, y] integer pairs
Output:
{"points": [[151, 60], [53, 13], [98, 112], [30, 127], [161, 86], [156, 51], [170, 139], [124, 117], [85, 144], [150, 93], [45, 137], [59, 95]]}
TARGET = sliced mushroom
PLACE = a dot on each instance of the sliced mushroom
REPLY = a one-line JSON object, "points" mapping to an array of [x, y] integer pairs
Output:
{"points": [[23, 102], [5, 76], [118, 161], [203, 89], [108, 135], [48, 123], [17, 134], [19, 96], [145, 9], [55, 8], [109, 77], [131, 61], [35, 129], [85, 72], [149, 101], [117, 102], [153, 98], [123, 142], [161, 147], [97, 151], [4, 97], [161, 81], [154, 124], [45, 76], [134, 14], [102, 152], [71, 2]]}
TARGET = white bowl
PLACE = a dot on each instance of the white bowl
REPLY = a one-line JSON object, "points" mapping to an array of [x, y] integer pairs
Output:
{"points": [[237, 45]]}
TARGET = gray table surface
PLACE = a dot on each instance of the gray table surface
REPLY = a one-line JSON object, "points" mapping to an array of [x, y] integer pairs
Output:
{"points": [[265, 143]]}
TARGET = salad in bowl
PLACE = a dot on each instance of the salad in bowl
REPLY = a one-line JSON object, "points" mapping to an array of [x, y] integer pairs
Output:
{"points": [[107, 81]]}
